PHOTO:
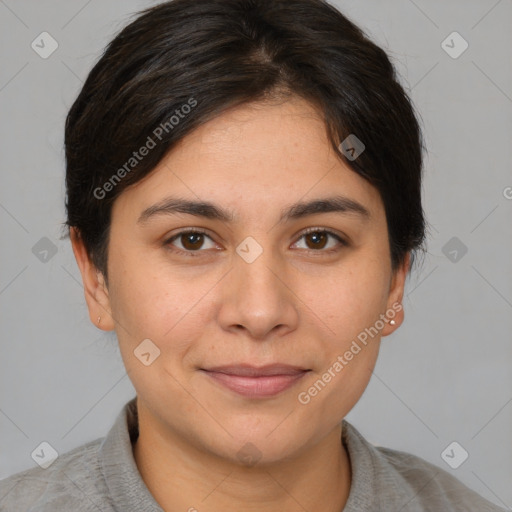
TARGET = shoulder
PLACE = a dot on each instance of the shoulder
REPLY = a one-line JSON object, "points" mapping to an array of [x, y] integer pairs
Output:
{"points": [[406, 482], [431, 487], [73, 480]]}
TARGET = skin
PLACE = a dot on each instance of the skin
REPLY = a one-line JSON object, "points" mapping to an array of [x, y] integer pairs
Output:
{"points": [[295, 304]]}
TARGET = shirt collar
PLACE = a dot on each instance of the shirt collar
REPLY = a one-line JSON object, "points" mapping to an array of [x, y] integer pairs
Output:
{"points": [[130, 494], [127, 489], [363, 494]]}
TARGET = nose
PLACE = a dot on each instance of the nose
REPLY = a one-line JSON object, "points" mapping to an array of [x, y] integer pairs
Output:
{"points": [[257, 298]]}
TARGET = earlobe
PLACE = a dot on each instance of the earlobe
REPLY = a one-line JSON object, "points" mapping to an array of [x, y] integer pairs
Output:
{"points": [[95, 289], [394, 307]]}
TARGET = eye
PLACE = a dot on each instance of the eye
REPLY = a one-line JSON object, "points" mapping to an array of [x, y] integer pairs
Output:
{"points": [[317, 239], [191, 241]]}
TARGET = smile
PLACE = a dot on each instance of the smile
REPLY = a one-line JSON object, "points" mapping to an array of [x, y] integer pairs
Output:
{"points": [[259, 386]]}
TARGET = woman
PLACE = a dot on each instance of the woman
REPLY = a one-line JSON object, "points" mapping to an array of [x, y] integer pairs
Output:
{"points": [[244, 204]]}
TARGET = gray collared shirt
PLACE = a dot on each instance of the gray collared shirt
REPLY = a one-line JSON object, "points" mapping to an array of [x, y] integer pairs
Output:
{"points": [[102, 476]]}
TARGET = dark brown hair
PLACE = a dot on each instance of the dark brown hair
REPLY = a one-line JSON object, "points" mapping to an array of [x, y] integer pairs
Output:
{"points": [[183, 62]]}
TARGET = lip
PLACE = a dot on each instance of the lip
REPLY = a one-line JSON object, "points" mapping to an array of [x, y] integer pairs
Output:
{"points": [[256, 382]]}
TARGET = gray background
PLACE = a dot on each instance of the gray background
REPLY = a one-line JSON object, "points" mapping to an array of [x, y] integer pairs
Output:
{"points": [[445, 375]]}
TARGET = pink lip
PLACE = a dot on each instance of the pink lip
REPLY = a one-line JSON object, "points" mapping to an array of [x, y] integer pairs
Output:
{"points": [[255, 382]]}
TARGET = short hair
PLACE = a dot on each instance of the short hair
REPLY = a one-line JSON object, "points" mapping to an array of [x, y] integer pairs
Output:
{"points": [[181, 63]]}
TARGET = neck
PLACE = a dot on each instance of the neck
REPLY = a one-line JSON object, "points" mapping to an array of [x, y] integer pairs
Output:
{"points": [[183, 477]]}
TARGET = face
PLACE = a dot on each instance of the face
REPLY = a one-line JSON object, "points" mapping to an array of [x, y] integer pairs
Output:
{"points": [[262, 285]]}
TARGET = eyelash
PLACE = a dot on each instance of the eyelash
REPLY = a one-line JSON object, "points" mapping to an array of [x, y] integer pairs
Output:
{"points": [[195, 254]]}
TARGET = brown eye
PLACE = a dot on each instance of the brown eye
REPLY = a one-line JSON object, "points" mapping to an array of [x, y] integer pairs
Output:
{"points": [[191, 242], [317, 240]]}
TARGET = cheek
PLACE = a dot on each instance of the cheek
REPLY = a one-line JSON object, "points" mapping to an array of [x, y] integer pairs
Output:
{"points": [[351, 297], [152, 300], [350, 303]]}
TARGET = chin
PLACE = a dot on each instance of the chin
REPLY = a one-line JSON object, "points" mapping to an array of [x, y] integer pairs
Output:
{"points": [[258, 446]]}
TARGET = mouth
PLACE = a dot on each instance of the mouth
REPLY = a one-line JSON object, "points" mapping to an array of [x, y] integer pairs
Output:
{"points": [[256, 382]]}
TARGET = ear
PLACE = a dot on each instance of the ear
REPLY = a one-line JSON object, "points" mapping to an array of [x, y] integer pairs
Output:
{"points": [[395, 297], [95, 289]]}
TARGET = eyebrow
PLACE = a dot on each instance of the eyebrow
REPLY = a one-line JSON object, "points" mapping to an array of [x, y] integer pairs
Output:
{"points": [[208, 210]]}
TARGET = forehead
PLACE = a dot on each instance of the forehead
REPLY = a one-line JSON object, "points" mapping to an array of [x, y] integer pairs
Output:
{"points": [[255, 158]]}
